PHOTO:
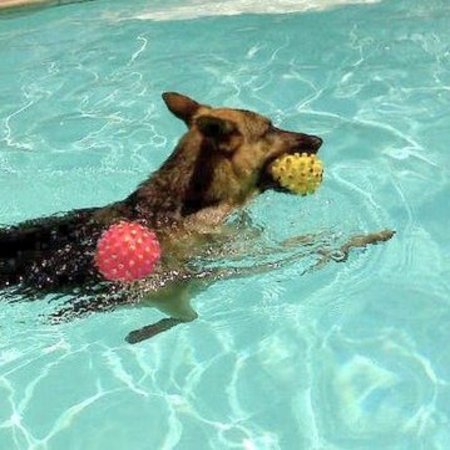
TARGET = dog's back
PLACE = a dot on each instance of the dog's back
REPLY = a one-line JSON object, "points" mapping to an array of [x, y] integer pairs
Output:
{"points": [[41, 252]]}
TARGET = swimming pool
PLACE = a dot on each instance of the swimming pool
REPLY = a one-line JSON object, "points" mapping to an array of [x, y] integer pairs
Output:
{"points": [[349, 357]]}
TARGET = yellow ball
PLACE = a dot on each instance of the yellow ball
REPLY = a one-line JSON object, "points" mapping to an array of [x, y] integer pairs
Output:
{"points": [[301, 174]]}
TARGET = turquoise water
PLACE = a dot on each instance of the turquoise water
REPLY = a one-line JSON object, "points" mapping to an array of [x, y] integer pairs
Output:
{"points": [[353, 356]]}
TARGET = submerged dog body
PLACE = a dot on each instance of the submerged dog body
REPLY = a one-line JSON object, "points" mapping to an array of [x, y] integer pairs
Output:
{"points": [[218, 165]]}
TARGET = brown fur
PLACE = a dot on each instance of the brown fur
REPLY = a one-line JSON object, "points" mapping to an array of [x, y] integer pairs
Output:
{"points": [[221, 162]]}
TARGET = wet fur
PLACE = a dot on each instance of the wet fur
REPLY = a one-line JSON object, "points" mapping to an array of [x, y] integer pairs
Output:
{"points": [[217, 167]]}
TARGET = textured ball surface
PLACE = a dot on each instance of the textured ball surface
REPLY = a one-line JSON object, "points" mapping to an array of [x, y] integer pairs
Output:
{"points": [[301, 174], [127, 251]]}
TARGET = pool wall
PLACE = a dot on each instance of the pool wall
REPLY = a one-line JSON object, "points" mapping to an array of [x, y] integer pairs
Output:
{"points": [[6, 5]]}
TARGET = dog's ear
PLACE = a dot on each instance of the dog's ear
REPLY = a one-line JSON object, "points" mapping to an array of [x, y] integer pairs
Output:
{"points": [[223, 133], [215, 127], [181, 106]]}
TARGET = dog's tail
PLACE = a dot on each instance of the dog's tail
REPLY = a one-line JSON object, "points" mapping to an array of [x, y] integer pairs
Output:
{"points": [[24, 245]]}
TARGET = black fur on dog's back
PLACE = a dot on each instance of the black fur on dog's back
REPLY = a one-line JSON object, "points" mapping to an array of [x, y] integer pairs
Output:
{"points": [[49, 252]]}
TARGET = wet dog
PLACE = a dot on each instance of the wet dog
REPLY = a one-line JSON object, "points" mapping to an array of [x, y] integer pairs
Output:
{"points": [[221, 162]]}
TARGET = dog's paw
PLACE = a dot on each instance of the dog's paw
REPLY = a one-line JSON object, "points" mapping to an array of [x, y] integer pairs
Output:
{"points": [[149, 331]]}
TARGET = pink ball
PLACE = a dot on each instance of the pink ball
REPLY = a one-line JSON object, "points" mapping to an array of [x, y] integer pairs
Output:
{"points": [[127, 251]]}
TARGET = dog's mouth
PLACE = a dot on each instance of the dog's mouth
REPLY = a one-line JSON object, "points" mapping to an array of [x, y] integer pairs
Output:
{"points": [[302, 144]]}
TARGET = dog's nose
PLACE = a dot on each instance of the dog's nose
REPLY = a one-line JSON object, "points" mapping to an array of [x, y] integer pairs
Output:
{"points": [[309, 143], [315, 142]]}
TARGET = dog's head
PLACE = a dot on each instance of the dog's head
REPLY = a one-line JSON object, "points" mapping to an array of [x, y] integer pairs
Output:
{"points": [[233, 149]]}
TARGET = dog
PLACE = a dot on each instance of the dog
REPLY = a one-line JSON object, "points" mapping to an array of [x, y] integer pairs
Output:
{"points": [[219, 164]]}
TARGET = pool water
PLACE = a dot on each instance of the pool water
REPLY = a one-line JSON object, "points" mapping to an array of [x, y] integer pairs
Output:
{"points": [[352, 356]]}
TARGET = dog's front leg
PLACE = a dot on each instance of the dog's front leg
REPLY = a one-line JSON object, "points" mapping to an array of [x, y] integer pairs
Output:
{"points": [[149, 331], [355, 242], [174, 301]]}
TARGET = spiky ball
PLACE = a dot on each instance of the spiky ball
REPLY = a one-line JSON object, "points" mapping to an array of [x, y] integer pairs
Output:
{"points": [[301, 174], [127, 251]]}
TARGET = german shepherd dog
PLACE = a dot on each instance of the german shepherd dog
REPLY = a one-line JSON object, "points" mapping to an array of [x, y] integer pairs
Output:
{"points": [[221, 162]]}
